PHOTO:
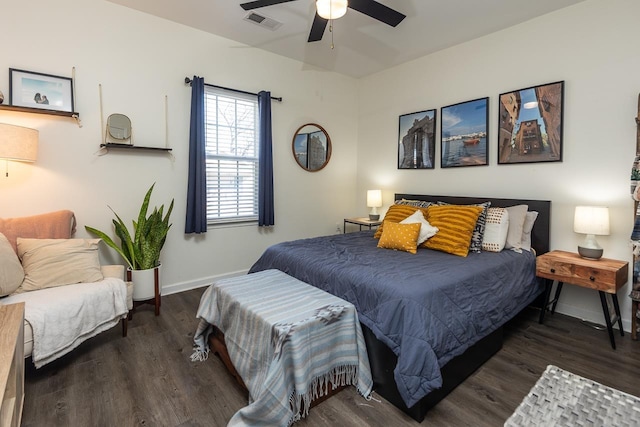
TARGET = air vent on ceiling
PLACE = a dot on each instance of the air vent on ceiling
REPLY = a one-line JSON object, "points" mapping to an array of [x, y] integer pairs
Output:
{"points": [[263, 21]]}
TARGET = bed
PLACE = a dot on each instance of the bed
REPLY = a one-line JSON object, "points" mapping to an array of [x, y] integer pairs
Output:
{"points": [[429, 319]]}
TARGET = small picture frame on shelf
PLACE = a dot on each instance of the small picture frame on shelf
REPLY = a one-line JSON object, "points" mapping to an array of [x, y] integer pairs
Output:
{"points": [[41, 91]]}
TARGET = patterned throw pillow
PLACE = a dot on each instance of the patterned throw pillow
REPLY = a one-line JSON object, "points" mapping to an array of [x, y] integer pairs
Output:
{"points": [[496, 228], [416, 203], [478, 231], [396, 213], [401, 237], [456, 224]]}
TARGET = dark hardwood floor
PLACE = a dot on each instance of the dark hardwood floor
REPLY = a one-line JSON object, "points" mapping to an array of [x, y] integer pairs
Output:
{"points": [[148, 379]]}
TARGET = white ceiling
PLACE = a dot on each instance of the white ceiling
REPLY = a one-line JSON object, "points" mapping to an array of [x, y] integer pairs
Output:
{"points": [[362, 45]]}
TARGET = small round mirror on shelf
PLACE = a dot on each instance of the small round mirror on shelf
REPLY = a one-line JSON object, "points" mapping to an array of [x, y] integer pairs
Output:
{"points": [[118, 129], [311, 147]]}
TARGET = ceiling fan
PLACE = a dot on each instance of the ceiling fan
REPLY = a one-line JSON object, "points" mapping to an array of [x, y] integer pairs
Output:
{"points": [[369, 7]]}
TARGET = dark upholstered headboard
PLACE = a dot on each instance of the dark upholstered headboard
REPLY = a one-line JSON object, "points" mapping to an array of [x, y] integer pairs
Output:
{"points": [[541, 228]]}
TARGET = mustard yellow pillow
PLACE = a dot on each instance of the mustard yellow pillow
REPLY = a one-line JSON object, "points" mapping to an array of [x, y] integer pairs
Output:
{"points": [[401, 237], [456, 224], [397, 213]]}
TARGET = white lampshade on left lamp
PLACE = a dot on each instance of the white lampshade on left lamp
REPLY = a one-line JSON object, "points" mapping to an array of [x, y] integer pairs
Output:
{"points": [[592, 221], [374, 200], [18, 143]]}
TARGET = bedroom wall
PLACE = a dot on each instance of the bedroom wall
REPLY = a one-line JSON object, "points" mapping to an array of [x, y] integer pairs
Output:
{"points": [[592, 46], [138, 59]]}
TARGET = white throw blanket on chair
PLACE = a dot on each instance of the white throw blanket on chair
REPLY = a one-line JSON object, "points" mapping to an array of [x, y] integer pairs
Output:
{"points": [[65, 316]]}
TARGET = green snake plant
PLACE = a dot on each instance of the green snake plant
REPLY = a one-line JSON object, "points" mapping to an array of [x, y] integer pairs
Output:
{"points": [[140, 249]]}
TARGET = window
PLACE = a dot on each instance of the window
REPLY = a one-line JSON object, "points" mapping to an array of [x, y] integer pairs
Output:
{"points": [[231, 136]]}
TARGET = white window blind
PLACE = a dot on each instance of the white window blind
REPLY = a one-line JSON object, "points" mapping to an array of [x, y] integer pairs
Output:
{"points": [[231, 135]]}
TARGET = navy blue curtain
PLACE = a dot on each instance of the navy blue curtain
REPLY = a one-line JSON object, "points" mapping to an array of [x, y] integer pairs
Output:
{"points": [[265, 177], [197, 187]]}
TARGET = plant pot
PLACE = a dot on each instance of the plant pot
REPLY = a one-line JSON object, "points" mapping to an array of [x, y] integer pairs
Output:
{"points": [[144, 283]]}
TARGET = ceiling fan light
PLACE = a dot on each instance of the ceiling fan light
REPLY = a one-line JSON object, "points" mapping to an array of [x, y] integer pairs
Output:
{"points": [[331, 9]]}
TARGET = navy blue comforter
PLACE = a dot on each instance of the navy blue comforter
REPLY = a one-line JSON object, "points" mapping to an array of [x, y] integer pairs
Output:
{"points": [[428, 307]]}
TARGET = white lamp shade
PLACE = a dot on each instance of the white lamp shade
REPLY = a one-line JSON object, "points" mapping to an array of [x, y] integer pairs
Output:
{"points": [[591, 220], [18, 143], [374, 198], [331, 9]]}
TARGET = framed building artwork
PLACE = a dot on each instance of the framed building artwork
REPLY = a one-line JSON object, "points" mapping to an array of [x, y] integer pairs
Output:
{"points": [[417, 140], [530, 123], [464, 133], [37, 90]]}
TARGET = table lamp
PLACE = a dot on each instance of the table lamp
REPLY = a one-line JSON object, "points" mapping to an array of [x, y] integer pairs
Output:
{"points": [[374, 200], [18, 143], [592, 221]]}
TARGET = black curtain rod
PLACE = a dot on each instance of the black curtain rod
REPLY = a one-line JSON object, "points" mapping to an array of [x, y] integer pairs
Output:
{"points": [[187, 81]]}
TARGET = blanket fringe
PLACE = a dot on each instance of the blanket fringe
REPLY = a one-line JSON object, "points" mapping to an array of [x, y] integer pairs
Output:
{"points": [[200, 355], [336, 377]]}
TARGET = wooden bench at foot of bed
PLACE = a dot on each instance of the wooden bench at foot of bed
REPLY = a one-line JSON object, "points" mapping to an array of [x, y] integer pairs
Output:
{"points": [[218, 347]]}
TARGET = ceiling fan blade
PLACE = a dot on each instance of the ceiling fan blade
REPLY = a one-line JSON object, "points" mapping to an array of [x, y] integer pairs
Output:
{"points": [[261, 3], [377, 11], [317, 28]]}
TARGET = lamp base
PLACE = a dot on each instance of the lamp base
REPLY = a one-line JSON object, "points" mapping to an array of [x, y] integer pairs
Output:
{"points": [[374, 217], [590, 253]]}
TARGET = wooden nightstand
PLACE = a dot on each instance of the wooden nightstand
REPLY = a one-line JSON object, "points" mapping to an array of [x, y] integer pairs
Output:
{"points": [[364, 221], [604, 275]]}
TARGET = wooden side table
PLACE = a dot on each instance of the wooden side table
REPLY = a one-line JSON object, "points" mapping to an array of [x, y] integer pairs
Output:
{"points": [[362, 222], [604, 275], [11, 364]]}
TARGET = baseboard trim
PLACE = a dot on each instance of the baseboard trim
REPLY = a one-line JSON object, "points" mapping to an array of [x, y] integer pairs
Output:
{"points": [[199, 283]]}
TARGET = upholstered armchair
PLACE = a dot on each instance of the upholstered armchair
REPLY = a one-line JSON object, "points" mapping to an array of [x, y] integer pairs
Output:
{"points": [[69, 297]]}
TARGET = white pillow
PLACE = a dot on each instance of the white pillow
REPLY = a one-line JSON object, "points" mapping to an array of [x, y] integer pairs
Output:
{"points": [[11, 272], [55, 262], [495, 230], [529, 220], [426, 230], [517, 215]]}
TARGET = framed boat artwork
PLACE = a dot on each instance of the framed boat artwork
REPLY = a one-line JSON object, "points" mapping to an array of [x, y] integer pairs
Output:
{"points": [[464, 133], [530, 122], [417, 140]]}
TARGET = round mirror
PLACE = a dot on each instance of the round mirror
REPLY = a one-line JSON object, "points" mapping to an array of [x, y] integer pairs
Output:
{"points": [[311, 147], [119, 127]]}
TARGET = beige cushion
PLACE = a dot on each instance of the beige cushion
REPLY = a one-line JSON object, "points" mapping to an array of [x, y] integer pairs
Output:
{"points": [[495, 231], [55, 262], [11, 272], [517, 214], [529, 220]]}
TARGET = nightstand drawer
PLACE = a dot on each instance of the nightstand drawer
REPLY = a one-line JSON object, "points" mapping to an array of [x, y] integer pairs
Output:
{"points": [[604, 274]]}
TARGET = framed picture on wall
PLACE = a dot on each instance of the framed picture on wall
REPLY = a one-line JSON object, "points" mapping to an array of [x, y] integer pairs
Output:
{"points": [[37, 90], [530, 123], [417, 140], [464, 134]]}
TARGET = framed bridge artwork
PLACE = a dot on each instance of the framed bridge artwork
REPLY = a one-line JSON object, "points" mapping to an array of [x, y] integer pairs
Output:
{"points": [[417, 140]]}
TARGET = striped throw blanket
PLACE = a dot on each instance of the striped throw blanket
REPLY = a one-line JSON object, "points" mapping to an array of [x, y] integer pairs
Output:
{"points": [[289, 342]]}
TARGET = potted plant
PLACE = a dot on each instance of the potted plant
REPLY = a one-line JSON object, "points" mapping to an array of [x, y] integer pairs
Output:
{"points": [[141, 249]]}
